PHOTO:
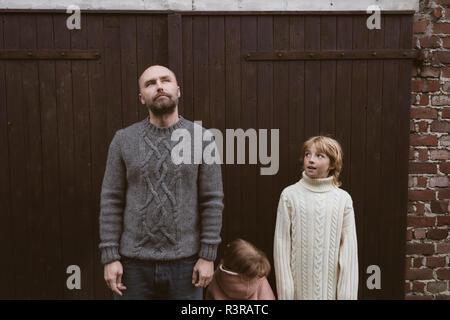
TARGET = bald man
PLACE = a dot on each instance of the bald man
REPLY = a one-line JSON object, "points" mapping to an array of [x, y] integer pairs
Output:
{"points": [[160, 222]]}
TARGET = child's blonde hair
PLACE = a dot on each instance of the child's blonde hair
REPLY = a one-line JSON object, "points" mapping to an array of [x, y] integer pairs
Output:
{"points": [[244, 258], [332, 149]]}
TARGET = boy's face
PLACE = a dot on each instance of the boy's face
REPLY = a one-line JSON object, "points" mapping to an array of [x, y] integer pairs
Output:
{"points": [[316, 164]]}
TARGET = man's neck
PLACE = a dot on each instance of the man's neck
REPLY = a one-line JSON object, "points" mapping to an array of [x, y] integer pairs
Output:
{"points": [[165, 120]]}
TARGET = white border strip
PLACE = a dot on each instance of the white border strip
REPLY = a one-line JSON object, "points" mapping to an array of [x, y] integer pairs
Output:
{"points": [[215, 5]]}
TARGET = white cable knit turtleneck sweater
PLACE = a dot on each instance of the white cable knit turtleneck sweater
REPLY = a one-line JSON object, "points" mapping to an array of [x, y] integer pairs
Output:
{"points": [[315, 246]]}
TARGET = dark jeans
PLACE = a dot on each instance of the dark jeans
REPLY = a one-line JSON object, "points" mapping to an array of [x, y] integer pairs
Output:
{"points": [[159, 280]]}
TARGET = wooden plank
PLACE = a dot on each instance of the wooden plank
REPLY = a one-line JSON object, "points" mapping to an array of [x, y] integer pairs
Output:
{"points": [[265, 106], [66, 153], [50, 219], [6, 218], [20, 231], [99, 145], [402, 159], [233, 216], [175, 47], [32, 54], [332, 54], [358, 143], [112, 73], [388, 169], [296, 100], [312, 78], [30, 85], [248, 120], [188, 69], [344, 92], [328, 76], [201, 72], [81, 252], [218, 94], [128, 63], [160, 49], [144, 48], [373, 228]]}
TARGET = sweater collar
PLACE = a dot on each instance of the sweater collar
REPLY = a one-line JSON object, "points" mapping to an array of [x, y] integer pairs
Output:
{"points": [[163, 130], [316, 185]]}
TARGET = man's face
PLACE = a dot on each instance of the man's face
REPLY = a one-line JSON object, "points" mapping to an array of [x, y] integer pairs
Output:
{"points": [[159, 90]]}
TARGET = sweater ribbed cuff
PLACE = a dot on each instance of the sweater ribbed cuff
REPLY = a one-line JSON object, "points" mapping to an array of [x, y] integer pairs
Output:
{"points": [[110, 254], [208, 251]]}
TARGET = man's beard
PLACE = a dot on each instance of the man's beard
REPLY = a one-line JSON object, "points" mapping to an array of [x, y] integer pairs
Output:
{"points": [[162, 106]]}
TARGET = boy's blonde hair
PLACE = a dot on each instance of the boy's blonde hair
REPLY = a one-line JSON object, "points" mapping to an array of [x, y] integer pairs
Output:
{"points": [[244, 258], [332, 149]]}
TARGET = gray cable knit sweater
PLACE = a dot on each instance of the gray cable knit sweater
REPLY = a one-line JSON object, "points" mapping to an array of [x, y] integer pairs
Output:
{"points": [[153, 209]]}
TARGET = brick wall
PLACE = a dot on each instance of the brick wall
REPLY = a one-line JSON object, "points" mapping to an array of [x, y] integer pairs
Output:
{"points": [[428, 239]]}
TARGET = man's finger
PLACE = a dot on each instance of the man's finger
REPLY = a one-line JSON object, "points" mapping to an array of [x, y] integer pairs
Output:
{"points": [[113, 286], [194, 276]]}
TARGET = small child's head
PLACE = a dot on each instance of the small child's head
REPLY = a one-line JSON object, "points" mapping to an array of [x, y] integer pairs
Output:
{"points": [[322, 158], [244, 258]]}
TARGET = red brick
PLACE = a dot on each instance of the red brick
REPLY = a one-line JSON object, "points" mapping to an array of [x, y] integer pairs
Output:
{"points": [[411, 126], [444, 194], [443, 274], [422, 168], [417, 262], [420, 26], [423, 154], [421, 195], [434, 262], [420, 222], [423, 140], [442, 248], [436, 287], [440, 154], [417, 85], [419, 274], [420, 234], [411, 154], [442, 2], [423, 126], [445, 141], [407, 287], [431, 85], [443, 221], [446, 42], [437, 234], [440, 126], [418, 286], [421, 182], [446, 113], [420, 208], [437, 12], [419, 248], [441, 28], [446, 86], [441, 57], [430, 71], [442, 297], [447, 13], [408, 235], [423, 113], [439, 182], [439, 206], [446, 72], [440, 100], [424, 100], [444, 167]]}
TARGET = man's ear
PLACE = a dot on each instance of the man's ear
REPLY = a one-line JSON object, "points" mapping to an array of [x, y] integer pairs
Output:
{"points": [[179, 92], [141, 98]]}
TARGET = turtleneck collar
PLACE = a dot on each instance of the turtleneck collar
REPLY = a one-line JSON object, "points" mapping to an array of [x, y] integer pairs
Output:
{"points": [[317, 185], [163, 130]]}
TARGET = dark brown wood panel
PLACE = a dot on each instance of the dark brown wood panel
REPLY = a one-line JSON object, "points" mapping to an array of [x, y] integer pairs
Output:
{"points": [[56, 136]]}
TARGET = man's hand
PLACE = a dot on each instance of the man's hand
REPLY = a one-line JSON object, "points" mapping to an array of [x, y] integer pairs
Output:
{"points": [[113, 277], [203, 273]]}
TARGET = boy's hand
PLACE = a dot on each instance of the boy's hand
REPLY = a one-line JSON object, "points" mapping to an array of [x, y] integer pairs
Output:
{"points": [[203, 273], [113, 277]]}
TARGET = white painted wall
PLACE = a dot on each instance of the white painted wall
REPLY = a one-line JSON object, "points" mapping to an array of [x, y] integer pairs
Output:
{"points": [[214, 5]]}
